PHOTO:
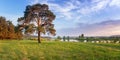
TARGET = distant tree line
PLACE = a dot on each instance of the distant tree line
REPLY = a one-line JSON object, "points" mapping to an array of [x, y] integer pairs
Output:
{"points": [[64, 38], [82, 38], [111, 38], [8, 30]]}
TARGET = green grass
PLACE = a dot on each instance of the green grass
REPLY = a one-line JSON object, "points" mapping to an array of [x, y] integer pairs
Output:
{"points": [[31, 50]]}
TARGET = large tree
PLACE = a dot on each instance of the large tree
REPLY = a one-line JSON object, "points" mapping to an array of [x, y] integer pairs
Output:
{"points": [[38, 18]]}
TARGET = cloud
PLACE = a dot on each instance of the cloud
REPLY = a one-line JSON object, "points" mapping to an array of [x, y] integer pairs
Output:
{"points": [[66, 10], [95, 6], [32, 1], [87, 6], [62, 10], [35, 1], [78, 10], [11, 17], [115, 3], [105, 28]]}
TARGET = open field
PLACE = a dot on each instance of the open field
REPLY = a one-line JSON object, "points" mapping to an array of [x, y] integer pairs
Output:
{"points": [[31, 50]]}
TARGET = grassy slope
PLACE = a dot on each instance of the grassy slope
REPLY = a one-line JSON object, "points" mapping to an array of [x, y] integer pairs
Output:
{"points": [[31, 50]]}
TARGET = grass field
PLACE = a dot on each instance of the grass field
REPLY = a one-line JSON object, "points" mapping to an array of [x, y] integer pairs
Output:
{"points": [[31, 50]]}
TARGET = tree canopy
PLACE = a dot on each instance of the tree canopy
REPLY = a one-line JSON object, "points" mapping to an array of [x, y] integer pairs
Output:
{"points": [[37, 18]]}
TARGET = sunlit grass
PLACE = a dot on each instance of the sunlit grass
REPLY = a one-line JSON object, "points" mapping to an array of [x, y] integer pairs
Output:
{"points": [[31, 50]]}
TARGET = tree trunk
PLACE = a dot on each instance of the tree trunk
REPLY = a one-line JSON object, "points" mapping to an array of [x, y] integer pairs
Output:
{"points": [[39, 40], [39, 35]]}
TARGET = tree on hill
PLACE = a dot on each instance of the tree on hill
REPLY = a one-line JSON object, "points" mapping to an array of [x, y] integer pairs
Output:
{"points": [[38, 18]]}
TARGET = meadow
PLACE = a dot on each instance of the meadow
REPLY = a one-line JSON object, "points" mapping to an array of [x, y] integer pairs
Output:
{"points": [[52, 50]]}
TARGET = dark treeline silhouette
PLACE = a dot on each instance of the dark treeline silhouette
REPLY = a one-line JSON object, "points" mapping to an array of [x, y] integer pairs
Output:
{"points": [[8, 30]]}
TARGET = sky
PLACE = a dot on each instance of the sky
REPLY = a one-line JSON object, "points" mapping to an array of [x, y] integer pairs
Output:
{"points": [[73, 17]]}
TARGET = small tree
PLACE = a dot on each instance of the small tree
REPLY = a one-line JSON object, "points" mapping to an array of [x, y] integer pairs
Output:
{"points": [[59, 38], [80, 37], [38, 18], [64, 38], [68, 38]]}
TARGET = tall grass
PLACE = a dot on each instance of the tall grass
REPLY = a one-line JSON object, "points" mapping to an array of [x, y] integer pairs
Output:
{"points": [[31, 50]]}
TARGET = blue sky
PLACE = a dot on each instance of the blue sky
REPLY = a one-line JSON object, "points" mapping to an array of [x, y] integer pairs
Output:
{"points": [[73, 17]]}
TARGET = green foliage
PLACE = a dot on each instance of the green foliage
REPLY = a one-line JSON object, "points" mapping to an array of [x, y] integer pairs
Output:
{"points": [[29, 28], [114, 39], [81, 37], [68, 38], [64, 38], [18, 32], [30, 50], [59, 38], [41, 17]]}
